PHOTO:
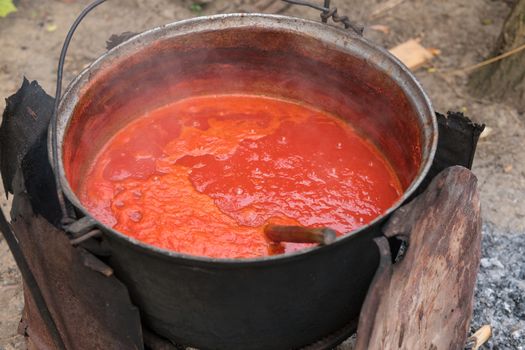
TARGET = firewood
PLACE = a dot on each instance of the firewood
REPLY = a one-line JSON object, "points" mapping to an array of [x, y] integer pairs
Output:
{"points": [[425, 300], [479, 338]]}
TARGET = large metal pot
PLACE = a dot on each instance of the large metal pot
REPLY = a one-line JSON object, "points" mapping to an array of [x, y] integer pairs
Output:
{"points": [[277, 302]]}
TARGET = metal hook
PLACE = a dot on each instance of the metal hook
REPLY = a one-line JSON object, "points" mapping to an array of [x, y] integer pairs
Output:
{"points": [[328, 12], [324, 15]]}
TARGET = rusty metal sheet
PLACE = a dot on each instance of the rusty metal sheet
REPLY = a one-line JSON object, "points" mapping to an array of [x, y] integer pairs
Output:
{"points": [[91, 310], [90, 307], [25, 119], [23, 135], [458, 138]]}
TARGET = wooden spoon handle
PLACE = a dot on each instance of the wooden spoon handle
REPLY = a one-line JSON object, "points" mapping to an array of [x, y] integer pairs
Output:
{"points": [[299, 234]]}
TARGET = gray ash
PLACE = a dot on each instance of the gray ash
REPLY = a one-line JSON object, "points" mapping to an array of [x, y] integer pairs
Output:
{"points": [[500, 291]]}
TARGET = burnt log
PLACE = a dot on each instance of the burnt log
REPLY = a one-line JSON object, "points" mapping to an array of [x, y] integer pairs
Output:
{"points": [[425, 300]]}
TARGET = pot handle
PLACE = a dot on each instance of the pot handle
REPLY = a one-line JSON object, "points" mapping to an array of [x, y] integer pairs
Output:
{"points": [[68, 216], [328, 12]]}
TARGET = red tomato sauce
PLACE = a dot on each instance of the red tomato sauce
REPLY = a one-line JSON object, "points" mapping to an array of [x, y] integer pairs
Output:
{"points": [[204, 175]]}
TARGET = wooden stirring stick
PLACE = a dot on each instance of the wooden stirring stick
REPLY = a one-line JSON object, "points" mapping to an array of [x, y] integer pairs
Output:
{"points": [[299, 234]]}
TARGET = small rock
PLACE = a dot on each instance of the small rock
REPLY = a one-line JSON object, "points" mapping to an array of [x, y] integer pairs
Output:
{"points": [[485, 263], [495, 262]]}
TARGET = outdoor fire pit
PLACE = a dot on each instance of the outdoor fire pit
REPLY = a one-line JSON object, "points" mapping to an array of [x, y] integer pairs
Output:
{"points": [[309, 298], [237, 303]]}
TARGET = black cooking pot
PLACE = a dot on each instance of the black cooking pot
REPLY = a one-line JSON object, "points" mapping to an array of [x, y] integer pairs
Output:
{"points": [[277, 302]]}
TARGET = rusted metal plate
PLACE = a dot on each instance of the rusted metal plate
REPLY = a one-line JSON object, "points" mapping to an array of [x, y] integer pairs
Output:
{"points": [[458, 138], [25, 119], [89, 306], [91, 310], [425, 300], [23, 135]]}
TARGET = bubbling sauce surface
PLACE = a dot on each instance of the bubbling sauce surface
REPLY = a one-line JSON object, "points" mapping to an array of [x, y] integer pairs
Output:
{"points": [[204, 175]]}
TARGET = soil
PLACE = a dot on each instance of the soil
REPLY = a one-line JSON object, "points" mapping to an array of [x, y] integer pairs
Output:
{"points": [[463, 32]]}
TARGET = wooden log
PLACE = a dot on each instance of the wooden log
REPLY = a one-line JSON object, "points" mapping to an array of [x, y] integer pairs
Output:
{"points": [[505, 78], [425, 300]]}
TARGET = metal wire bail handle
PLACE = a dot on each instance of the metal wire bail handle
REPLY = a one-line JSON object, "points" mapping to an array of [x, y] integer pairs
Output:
{"points": [[328, 12], [67, 216]]}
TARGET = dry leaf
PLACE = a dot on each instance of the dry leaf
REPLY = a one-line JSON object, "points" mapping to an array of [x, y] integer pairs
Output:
{"points": [[434, 51], [411, 53], [487, 21], [51, 27], [485, 133], [380, 28]]}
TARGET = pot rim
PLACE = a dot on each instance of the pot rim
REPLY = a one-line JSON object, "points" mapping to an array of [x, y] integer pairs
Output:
{"points": [[342, 39]]}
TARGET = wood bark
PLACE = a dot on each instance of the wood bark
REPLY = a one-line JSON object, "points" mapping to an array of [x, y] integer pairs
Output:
{"points": [[425, 300], [505, 79]]}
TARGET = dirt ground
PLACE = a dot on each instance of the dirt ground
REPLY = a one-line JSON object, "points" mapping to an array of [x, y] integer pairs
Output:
{"points": [[463, 31]]}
